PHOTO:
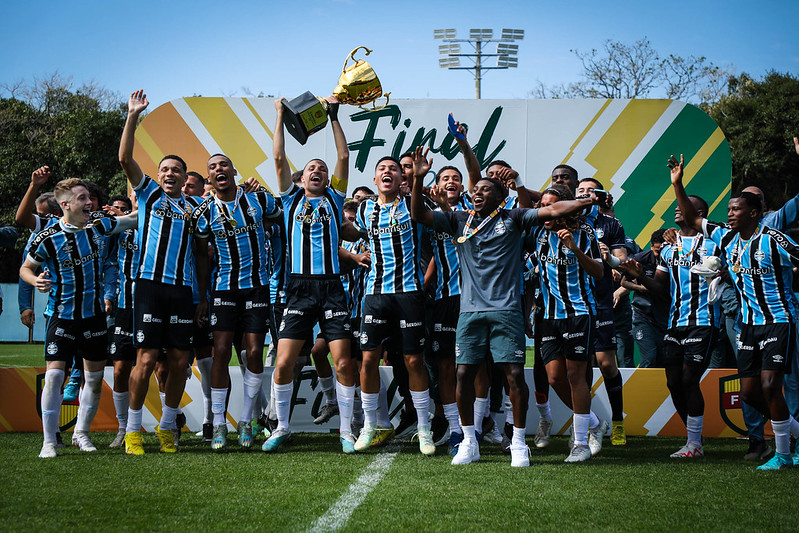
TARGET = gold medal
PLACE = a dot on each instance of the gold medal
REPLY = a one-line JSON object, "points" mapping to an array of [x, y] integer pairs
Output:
{"points": [[462, 239], [233, 222], [307, 219], [736, 268]]}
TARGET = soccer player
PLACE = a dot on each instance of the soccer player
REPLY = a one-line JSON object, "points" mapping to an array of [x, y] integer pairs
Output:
{"points": [[163, 309], [312, 215], [72, 256], [234, 220], [568, 259], [691, 336], [490, 323], [761, 263]]}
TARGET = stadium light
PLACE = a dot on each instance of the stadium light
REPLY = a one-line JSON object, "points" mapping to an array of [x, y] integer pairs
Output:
{"points": [[503, 56]]}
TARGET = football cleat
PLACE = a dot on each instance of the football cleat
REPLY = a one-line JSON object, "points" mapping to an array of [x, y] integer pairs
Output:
{"points": [[167, 439], [278, 437], [578, 454], [133, 444], [383, 435], [618, 436], [406, 424], [426, 445], [71, 390], [455, 440], [119, 440], [368, 434], [689, 451], [244, 430], [347, 443], [48, 450], [468, 452], [595, 436], [219, 438], [520, 455], [758, 449], [542, 434], [780, 461], [328, 411], [81, 440]]}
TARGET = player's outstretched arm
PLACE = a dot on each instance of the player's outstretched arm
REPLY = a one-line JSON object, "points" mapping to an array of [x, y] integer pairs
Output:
{"points": [[27, 272], [687, 208], [564, 208], [24, 216], [279, 150], [341, 174], [421, 165], [136, 104], [472, 164]]}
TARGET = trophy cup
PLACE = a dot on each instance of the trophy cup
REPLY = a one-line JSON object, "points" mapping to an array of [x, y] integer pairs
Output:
{"points": [[358, 85]]}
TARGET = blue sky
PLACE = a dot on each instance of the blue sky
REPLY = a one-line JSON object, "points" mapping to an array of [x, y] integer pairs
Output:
{"points": [[179, 48]]}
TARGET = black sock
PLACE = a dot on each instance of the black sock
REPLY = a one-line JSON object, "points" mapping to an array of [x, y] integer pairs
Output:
{"points": [[615, 397]]}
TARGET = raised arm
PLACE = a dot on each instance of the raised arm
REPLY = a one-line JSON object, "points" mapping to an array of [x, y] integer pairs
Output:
{"points": [[136, 104], [589, 264], [563, 208], [659, 285], [421, 165], [342, 171], [687, 208], [279, 150], [472, 164], [25, 210]]}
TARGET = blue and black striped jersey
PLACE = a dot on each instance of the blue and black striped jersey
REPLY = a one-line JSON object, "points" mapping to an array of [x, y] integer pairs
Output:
{"points": [[689, 291], [126, 246], [165, 228], [236, 230], [566, 287], [761, 269], [277, 262], [395, 241], [312, 230], [446, 257], [74, 260], [354, 281]]}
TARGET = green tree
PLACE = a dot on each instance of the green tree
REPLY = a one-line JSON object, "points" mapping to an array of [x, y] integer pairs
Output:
{"points": [[760, 119], [48, 122]]}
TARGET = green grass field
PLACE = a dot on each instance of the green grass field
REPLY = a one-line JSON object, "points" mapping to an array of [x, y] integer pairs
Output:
{"points": [[636, 487]]}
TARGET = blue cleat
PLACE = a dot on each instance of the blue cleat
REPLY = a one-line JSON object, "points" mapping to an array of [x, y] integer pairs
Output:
{"points": [[348, 443], [780, 461], [455, 440], [278, 437]]}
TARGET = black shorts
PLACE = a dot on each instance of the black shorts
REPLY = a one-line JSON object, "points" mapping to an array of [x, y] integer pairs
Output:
{"points": [[85, 337], [245, 310], [121, 348], [443, 326], [163, 315], [313, 299], [768, 347], [689, 345], [384, 314], [572, 337], [605, 331]]}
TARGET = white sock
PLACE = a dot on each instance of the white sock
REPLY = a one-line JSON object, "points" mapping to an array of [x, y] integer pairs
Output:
{"points": [[782, 435], [121, 405], [168, 418], [283, 403], [693, 425], [421, 401], [204, 365], [252, 384], [346, 398], [518, 437], [594, 420], [544, 410], [329, 389], [369, 401], [89, 399], [357, 406], [451, 414], [134, 421], [218, 397], [794, 426], [382, 406], [507, 406], [581, 425], [51, 403], [480, 408], [468, 433]]}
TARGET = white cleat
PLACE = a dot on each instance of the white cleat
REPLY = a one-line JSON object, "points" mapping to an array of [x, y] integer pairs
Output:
{"points": [[48, 450], [542, 434], [689, 451], [81, 440], [578, 454], [595, 436], [520, 455], [468, 452]]}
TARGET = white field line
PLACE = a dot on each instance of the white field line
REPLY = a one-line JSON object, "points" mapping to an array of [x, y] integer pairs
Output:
{"points": [[340, 512]]}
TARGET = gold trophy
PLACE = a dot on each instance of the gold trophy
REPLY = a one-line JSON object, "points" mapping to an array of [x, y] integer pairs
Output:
{"points": [[358, 85]]}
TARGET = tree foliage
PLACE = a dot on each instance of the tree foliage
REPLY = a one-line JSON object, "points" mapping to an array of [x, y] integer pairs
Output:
{"points": [[621, 70], [760, 119], [48, 122]]}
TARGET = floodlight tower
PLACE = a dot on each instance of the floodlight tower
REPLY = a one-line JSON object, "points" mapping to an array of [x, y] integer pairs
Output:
{"points": [[480, 40]]}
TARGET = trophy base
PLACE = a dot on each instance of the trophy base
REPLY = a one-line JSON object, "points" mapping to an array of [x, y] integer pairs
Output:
{"points": [[303, 116]]}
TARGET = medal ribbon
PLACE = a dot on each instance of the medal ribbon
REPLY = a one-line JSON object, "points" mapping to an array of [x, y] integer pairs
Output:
{"points": [[739, 253], [222, 207], [307, 207], [392, 211], [466, 234], [697, 239]]}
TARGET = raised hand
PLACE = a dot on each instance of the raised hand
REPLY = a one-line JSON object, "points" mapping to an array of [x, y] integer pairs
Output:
{"points": [[508, 177], [279, 105], [113, 210], [567, 239], [676, 168], [138, 102], [40, 176], [421, 165], [439, 195], [631, 268]]}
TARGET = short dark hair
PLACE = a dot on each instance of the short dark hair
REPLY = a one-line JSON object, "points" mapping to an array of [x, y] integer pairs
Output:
{"points": [[365, 189], [657, 236], [752, 200], [571, 169], [53, 207], [176, 158], [497, 185], [564, 193], [499, 162], [97, 191], [403, 156], [391, 158], [196, 175], [121, 198], [594, 180], [350, 205], [448, 167], [221, 155], [702, 203], [297, 176]]}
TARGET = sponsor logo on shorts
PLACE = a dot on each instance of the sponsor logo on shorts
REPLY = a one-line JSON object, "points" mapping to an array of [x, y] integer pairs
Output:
{"points": [[436, 327], [113, 348], [213, 319], [548, 339], [404, 324], [519, 353], [292, 312], [639, 334], [766, 342], [140, 336], [577, 335], [697, 357], [422, 341], [87, 334], [692, 340], [147, 318], [777, 358], [217, 301], [173, 319], [248, 304], [52, 348], [745, 347], [369, 319], [436, 346], [347, 327], [59, 332], [364, 338], [117, 330], [282, 325], [328, 313], [605, 323], [579, 349], [669, 338]]}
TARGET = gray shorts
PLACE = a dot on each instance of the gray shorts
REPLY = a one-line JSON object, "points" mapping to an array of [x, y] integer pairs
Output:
{"points": [[499, 334]]}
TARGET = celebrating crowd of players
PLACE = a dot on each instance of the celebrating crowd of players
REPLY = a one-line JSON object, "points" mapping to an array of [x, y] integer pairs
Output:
{"points": [[187, 269]]}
